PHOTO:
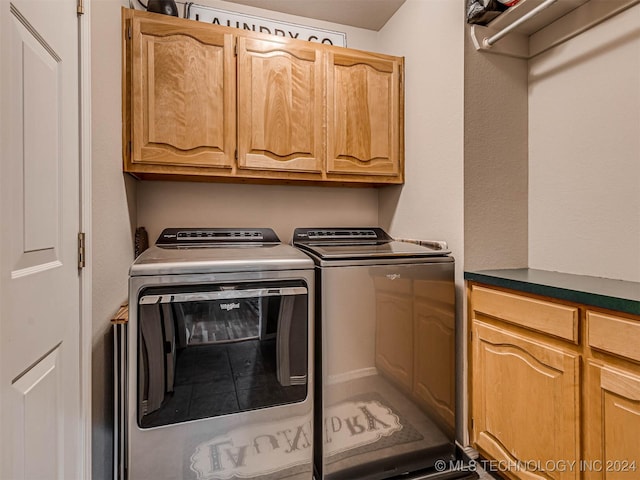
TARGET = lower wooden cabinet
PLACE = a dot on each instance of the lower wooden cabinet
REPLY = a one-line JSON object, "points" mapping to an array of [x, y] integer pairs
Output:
{"points": [[612, 397], [612, 422], [525, 401], [555, 387]]}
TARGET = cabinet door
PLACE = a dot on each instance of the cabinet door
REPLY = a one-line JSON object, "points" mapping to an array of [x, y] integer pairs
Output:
{"points": [[182, 93], [525, 403], [435, 357], [612, 423], [394, 338], [280, 111], [364, 114]]}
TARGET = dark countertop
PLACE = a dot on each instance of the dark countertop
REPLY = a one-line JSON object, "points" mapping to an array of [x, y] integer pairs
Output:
{"points": [[619, 295]]}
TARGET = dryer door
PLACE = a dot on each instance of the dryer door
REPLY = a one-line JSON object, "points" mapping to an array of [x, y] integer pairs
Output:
{"points": [[216, 349]]}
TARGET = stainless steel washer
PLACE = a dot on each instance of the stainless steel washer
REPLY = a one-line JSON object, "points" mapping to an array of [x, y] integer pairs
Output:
{"points": [[385, 356], [215, 365]]}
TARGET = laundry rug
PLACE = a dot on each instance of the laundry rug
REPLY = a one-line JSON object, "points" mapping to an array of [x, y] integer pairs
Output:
{"points": [[270, 450], [363, 424], [283, 448]]}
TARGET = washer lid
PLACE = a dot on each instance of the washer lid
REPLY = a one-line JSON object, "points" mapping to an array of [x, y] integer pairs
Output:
{"points": [[345, 243], [392, 249]]}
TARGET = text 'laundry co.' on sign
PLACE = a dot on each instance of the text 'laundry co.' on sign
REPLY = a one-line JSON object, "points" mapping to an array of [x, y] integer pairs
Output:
{"points": [[264, 25]]}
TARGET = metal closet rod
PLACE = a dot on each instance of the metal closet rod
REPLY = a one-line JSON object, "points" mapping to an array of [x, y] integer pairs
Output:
{"points": [[506, 30]]}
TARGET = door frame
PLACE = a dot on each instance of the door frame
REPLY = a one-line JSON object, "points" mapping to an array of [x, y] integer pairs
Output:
{"points": [[84, 35]]}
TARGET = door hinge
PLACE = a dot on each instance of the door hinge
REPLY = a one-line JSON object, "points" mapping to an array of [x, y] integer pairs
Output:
{"points": [[129, 31], [235, 154], [80, 7], [81, 250], [235, 47]]}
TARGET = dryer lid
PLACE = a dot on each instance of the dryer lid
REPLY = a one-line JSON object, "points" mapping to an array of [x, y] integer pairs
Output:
{"points": [[181, 251]]}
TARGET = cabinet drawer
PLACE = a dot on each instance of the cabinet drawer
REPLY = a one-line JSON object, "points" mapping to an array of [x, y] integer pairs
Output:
{"points": [[616, 335], [546, 317]]}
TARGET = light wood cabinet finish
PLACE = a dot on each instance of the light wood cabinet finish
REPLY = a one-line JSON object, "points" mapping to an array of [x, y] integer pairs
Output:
{"points": [[525, 401], [363, 102], [182, 95], [613, 334], [206, 102], [613, 422], [612, 397], [280, 100], [530, 400], [532, 313]]}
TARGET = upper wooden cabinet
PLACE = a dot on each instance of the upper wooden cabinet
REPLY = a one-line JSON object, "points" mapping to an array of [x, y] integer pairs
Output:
{"points": [[182, 101], [364, 113], [280, 99], [203, 101]]}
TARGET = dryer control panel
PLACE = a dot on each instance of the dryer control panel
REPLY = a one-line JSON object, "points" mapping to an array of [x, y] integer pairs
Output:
{"points": [[190, 236]]}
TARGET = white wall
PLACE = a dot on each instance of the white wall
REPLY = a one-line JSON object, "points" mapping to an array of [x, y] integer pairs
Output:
{"points": [[584, 153], [113, 221], [430, 203], [281, 207], [495, 160], [430, 35]]}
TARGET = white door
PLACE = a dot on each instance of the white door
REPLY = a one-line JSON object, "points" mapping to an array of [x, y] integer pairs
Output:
{"points": [[40, 414]]}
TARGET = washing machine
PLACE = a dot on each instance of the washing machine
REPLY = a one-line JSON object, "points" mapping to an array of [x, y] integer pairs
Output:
{"points": [[385, 356]]}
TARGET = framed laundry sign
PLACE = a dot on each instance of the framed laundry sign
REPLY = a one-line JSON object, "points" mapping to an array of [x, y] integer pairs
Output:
{"points": [[264, 25]]}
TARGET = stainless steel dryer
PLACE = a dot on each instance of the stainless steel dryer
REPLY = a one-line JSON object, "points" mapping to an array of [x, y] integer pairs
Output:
{"points": [[215, 364], [385, 356]]}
